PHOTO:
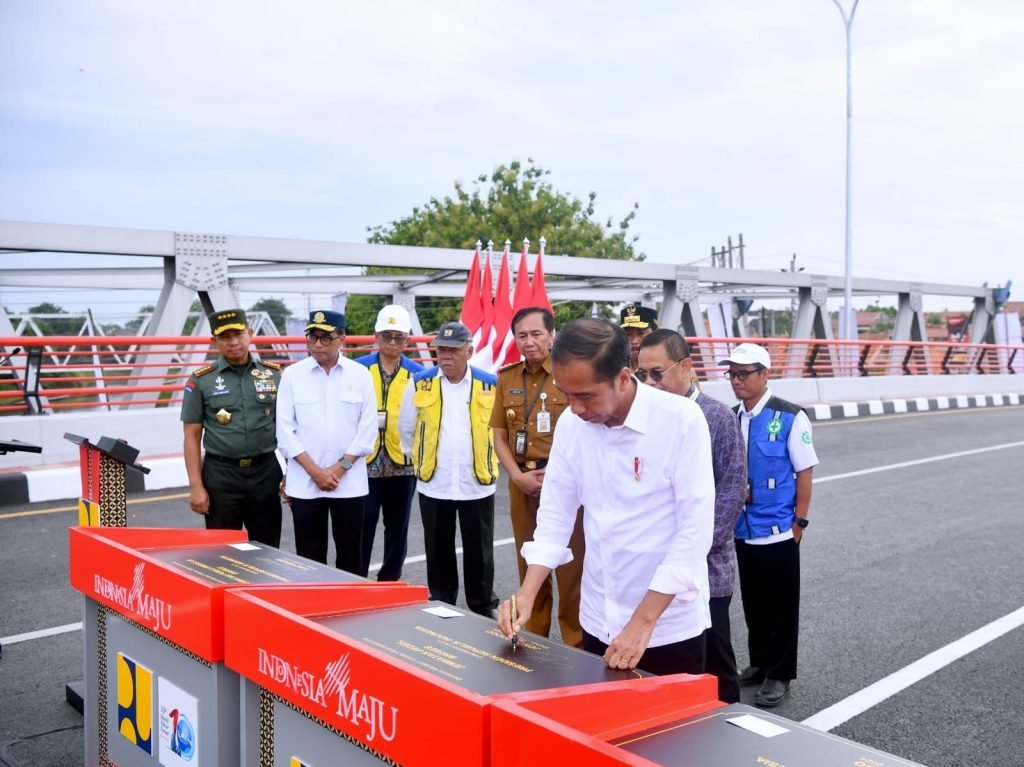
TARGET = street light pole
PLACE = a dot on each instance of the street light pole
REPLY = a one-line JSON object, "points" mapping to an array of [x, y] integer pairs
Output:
{"points": [[849, 324]]}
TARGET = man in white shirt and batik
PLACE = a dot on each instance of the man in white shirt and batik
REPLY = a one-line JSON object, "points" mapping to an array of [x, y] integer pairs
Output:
{"points": [[639, 462]]}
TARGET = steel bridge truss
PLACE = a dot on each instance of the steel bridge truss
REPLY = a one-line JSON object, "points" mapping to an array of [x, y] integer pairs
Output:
{"points": [[217, 268]]}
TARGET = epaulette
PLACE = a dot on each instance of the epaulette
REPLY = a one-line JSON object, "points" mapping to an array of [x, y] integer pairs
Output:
{"points": [[271, 365], [509, 366], [204, 370]]}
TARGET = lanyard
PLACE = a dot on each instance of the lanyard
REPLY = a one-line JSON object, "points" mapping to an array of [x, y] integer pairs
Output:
{"points": [[529, 408]]}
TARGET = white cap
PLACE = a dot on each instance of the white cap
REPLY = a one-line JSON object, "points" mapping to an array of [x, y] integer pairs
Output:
{"points": [[748, 354], [395, 318]]}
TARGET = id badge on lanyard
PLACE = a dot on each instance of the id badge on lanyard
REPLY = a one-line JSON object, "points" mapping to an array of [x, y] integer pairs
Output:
{"points": [[521, 437], [543, 417]]}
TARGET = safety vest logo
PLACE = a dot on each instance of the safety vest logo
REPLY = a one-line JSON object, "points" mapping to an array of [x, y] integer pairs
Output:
{"points": [[151, 611], [351, 703]]}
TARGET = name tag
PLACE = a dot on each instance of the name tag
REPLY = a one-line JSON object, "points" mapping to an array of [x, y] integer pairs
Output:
{"points": [[382, 419], [543, 422]]}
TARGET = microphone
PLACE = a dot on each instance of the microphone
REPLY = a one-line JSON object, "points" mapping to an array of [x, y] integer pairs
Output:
{"points": [[5, 360]]}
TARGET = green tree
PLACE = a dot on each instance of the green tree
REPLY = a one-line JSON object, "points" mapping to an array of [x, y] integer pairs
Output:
{"points": [[512, 202], [55, 326], [132, 326], [276, 309]]}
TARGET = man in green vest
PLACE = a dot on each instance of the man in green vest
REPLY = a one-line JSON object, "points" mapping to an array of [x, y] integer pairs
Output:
{"points": [[445, 417], [391, 475], [229, 408]]}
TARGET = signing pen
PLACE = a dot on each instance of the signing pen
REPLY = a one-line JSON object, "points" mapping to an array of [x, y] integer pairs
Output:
{"points": [[515, 615]]}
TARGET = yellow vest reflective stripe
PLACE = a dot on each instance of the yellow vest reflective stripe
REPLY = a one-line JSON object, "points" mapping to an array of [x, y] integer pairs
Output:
{"points": [[396, 390], [428, 402]]}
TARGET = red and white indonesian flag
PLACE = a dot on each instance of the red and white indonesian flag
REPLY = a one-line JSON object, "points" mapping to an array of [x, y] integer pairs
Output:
{"points": [[472, 307], [489, 318]]}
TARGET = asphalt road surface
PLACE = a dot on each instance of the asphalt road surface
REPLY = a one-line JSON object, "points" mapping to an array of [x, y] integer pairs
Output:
{"points": [[915, 543]]}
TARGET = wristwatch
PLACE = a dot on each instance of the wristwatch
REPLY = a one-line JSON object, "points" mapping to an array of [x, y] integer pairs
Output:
{"points": [[346, 464], [800, 522]]}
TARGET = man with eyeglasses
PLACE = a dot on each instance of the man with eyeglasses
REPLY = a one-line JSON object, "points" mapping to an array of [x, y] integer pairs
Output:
{"points": [[445, 418], [639, 462], [664, 363], [229, 408], [392, 477], [326, 424], [526, 411], [780, 459]]}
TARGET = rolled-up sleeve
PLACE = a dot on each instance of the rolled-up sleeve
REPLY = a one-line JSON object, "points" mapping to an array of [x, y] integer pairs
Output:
{"points": [[559, 500], [288, 441], [684, 567]]}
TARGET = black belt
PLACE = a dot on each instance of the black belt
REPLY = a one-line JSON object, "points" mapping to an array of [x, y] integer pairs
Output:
{"points": [[540, 463], [242, 463]]}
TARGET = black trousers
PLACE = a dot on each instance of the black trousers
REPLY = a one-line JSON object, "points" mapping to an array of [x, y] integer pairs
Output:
{"points": [[685, 657], [770, 587], [393, 496], [721, 660], [476, 522], [309, 516], [248, 498]]}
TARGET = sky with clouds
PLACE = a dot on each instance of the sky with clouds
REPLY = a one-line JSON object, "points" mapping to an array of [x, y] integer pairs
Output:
{"points": [[316, 119]]}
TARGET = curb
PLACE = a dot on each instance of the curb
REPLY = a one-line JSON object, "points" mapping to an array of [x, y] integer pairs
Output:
{"points": [[835, 411], [64, 483]]}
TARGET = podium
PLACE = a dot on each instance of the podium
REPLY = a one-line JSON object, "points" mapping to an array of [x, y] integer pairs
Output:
{"points": [[392, 678], [156, 687], [104, 468]]}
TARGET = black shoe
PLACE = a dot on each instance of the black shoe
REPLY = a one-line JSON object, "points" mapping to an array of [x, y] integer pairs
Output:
{"points": [[771, 693], [751, 675]]}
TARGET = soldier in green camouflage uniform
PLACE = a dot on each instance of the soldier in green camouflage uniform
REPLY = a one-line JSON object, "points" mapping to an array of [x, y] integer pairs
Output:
{"points": [[229, 406]]}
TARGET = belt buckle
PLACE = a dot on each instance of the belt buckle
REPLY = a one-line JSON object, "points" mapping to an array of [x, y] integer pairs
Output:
{"points": [[244, 463], [531, 465]]}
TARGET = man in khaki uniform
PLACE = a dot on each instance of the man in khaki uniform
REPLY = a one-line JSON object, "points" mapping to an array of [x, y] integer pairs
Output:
{"points": [[526, 409]]}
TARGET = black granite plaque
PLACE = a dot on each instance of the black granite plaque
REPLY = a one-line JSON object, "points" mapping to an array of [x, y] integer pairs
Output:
{"points": [[469, 651], [249, 563], [711, 740]]}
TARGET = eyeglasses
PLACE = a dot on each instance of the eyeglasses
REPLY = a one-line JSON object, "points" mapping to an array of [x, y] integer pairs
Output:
{"points": [[393, 338], [654, 373], [315, 339], [742, 375]]}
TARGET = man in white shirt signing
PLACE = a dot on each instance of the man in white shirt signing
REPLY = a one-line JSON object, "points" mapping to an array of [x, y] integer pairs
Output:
{"points": [[639, 461]]}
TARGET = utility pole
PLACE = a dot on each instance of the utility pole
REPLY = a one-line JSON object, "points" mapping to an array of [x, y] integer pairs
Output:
{"points": [[850, 326]]}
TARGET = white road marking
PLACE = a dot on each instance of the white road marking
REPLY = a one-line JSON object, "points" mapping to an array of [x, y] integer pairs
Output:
{"points": [[65, 629], [918, 462], [872, 695], [423, 557]]}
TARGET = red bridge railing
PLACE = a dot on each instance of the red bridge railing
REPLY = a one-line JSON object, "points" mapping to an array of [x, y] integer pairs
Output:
{"points": [[64, 373]]}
